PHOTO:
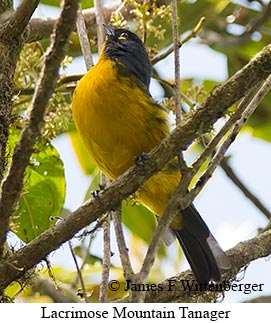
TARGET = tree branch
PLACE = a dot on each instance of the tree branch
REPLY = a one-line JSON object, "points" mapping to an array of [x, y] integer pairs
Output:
{"points": [[13, 183], [260, 299], [177, 76], [224, 163], [59, 294], [106, 260], [12, 26], [42, 28], [6, 5], [240, 256], [220, 153], [20, 18], [83, 38], [177, 85], [79, 273], [123, 250], [6, 10], [213, 143], [193, 33], [261, 19], [221, 98], [99, 22], [254, 199]]}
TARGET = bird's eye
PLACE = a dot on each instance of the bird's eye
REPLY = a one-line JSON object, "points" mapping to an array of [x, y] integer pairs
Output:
{"points": [[122, 36]]}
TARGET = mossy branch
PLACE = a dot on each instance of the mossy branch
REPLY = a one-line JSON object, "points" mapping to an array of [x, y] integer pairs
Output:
{"points": [[13, 182], [12, 28], [19, 19], [240, 256]]}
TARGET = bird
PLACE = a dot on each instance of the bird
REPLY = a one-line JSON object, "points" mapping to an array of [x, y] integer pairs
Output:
{"points": [[118, 120]]}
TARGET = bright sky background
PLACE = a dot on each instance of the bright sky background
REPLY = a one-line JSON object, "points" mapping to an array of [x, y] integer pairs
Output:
{"points": [[230, 216]]}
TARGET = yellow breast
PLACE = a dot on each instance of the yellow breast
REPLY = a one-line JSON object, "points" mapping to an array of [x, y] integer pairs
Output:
{"points": [[116, 118]]}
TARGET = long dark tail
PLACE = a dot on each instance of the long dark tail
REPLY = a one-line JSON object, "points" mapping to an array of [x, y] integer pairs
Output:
{"points": [[202, 251]]}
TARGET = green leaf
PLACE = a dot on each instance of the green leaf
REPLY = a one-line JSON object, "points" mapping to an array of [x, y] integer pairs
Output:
{"points": [[86, 162], [94, 184], [141, 222], [259, 123], [138, 220], [43, 194], [53, 3], [57, 3]]}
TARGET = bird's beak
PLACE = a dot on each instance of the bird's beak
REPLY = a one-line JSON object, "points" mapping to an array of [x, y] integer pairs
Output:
{"points": [[109, 30]]}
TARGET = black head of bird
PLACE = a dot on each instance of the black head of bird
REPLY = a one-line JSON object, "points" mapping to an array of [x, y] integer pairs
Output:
{"points": [[128, 51]]}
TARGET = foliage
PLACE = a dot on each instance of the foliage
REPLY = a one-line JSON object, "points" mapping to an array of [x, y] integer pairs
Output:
{"points": [[43, 196]]}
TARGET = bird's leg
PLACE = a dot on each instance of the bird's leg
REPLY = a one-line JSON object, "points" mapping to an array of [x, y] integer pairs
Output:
{"points": [[140, 160]]}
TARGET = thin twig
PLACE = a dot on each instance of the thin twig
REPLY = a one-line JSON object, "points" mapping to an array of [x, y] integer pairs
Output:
{"points": [[70, 78], [13, 183], [177, 74], [86, 51], [224, 164], [84, 258], [254, 199], [211, 148], [123, 250], [91, 234], [65, 83], [177, 84], [79, 272], [219, 155], [195, 31], [169, 84], [83, 38], [180, 200], [104, 181], [106, 250], [106, 261], [192, 34], [261, 18], [99, 21], [68, 83]]}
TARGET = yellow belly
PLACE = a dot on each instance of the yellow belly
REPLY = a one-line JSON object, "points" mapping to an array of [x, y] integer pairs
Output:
{"points": [[156, 192], [118, 121]]}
